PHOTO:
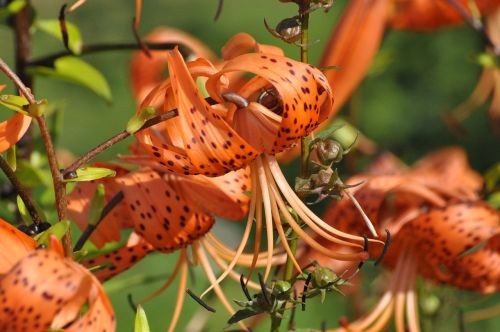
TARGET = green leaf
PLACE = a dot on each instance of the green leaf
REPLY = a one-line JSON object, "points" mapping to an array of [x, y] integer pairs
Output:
{"points": [[96, 204], [59, 229], [91, 173], [53, 28], [12, 8], [494, 200], [137, 121], [15, 103], [487, 60], [75, 70], [492, 177], [11, 157], [141, 321], [23, 211], [241, 314]]}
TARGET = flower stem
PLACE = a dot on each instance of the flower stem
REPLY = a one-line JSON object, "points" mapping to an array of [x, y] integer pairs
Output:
{"points": [[21, 190]]}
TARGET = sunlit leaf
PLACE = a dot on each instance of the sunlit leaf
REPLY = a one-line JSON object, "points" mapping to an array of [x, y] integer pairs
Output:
{"points": [[77, 71], [58, 230], [23, 211], [91, 173], [141, 321], [15, 103], [96, 204], [53, 28], [11, 157]]}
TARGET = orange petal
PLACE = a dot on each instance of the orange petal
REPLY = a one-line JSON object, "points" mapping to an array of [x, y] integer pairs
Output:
{"points": [[448, 233], [160, 214], [79, 203], [224, 196], [12, 130], [352, 46], [147, 72], [46, 291], [209, 145], [121, 259], [14, 245], [430, 14], [242, 43], [302, 90]]}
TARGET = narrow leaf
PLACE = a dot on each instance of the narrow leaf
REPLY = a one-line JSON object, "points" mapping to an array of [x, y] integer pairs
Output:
{"points": [[15, 103], [23, 211], [75, 70], [12, 158], [141, 321], [58, 230], [96, 204], [53, 28], [91, 173]]}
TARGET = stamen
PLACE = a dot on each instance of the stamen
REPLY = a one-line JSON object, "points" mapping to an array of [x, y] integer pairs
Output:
{"points": [[62, 25], [365, 249], [200, 301], [267, 211], [236, 99], [258, 225], [180, 296], [306, 285], [244, 288], [367, 220], [263, 288], [131, 302], [386, 247]]}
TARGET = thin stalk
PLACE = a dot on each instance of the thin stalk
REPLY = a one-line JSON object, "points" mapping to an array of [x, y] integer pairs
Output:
{"points": [[57, 180], [105, 47], [25, 91], [21, 191], [113, 140], [304, 57]]}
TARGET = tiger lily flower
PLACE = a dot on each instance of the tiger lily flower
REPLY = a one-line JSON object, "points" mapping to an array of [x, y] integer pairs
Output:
{"points": [[168, 213], [40, 289], [249, 123], [12, 129], [437, 206]]}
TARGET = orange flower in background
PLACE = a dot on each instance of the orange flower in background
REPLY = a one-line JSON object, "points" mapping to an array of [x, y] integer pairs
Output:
{"points": [[439, 229], [249, 123], [40, 289], [13, 129]]}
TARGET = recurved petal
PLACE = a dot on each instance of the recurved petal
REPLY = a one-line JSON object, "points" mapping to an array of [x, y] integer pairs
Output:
{"points": [[209, 145], [161, 215], [147, 72], [242, 43], [430, 14], [352, 46], [225, 196], [12, 130], [300, 91], [79, 203], [121, 259], [447, 234], [46, 291], [14, 245]]}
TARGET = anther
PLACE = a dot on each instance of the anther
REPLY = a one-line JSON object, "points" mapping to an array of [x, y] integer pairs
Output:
{"points": [[306, 285], [244, 288], [236, 99], [386, 247], [200, 301], [263, 287]]}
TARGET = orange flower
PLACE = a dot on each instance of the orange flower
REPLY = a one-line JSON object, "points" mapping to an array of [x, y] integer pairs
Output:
{"points": [[434, 205], [249, 123], [13, 129], [168, 213], [41, 289]]}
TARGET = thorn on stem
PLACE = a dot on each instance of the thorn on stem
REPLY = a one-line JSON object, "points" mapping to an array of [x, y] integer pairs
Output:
{"points": [[200, 301], [386, 247], [244, 288]]}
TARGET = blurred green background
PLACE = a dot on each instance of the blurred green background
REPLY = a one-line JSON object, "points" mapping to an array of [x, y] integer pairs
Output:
{"points": [[400, 105]]}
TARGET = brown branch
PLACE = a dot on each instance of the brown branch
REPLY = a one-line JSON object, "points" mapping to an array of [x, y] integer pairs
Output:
{"points": [[17, 82], [104, 47], [21, 191]]}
